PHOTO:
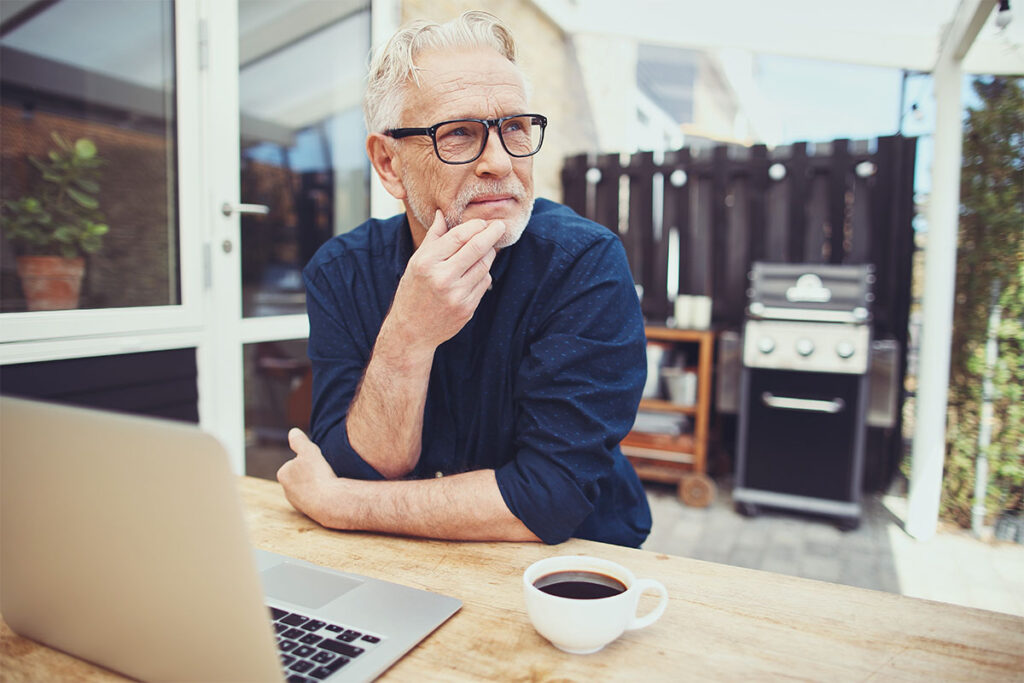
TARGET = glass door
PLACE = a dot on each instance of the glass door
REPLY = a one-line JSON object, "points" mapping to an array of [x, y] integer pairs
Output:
{"points": [[288, 171]]}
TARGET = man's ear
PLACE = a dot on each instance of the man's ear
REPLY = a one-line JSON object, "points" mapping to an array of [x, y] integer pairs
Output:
{"points": [[381, 151]]}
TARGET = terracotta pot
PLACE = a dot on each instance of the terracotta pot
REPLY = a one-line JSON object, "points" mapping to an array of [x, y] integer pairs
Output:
{"points": [[51, 283]]}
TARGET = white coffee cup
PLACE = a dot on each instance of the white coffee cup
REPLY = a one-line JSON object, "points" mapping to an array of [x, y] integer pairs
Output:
{"points": [[682, 311], [700, 312], [585, 625]]}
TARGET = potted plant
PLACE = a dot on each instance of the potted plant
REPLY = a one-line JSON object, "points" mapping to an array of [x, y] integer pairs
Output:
{"points": [[53, 229]]}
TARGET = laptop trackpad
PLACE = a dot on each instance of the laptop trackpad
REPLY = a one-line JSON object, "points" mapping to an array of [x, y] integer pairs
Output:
{"points": [[305, 586]]}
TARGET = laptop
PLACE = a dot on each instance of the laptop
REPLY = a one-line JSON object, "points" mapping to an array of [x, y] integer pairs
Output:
{"points": [[123, 542]]}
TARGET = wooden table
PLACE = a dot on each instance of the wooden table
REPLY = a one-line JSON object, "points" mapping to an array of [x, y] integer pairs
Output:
{"points": [[722, 623]]}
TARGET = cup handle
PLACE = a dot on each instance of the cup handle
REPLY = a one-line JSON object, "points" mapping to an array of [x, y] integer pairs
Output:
{"points": [[642, 586]]}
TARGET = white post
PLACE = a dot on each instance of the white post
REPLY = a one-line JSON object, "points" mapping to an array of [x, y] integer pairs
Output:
{"points": [[385, 19], [929, 449]]}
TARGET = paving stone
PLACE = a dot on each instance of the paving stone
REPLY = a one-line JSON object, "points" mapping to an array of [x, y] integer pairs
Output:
{"points": [[862, 572], [821, 549], [889, 581], [781, 559], [820, 568], [746, 556]]}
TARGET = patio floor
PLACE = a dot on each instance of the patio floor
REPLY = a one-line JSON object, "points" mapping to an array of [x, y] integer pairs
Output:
{"points": [[953, 567]]}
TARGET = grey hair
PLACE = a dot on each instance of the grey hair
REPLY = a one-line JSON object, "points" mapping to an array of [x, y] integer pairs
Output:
{"points": [[394, 65]]}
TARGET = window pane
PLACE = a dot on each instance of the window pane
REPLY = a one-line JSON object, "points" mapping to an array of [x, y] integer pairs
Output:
{"points": [[278, 395], [100, 74], [302, 141]]}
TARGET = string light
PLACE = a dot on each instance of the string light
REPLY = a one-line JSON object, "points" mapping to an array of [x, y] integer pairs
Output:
{"points": [[1004, 16]]}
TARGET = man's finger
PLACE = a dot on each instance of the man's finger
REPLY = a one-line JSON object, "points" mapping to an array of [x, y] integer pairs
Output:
{"points": [[478, 272], [462, 233], [437, 228], [298, 441], [477, 247], [444, 246]]}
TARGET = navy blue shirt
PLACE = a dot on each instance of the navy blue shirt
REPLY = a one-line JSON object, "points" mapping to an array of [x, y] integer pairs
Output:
{"points": [[540, 385]]}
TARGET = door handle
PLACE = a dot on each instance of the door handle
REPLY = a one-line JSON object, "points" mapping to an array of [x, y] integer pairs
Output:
{"points": [[807, 404], [227, 208]]}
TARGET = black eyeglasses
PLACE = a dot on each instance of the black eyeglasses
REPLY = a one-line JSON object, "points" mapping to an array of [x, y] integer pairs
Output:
{"points": [[463, 140]]}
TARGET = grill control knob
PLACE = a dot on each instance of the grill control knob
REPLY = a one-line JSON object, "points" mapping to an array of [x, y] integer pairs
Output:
{"points": [[766, 345], [844, 349], [804, 346]]}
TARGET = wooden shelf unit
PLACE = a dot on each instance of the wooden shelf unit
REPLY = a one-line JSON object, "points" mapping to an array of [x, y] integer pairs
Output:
{"points": [[679, 459]]}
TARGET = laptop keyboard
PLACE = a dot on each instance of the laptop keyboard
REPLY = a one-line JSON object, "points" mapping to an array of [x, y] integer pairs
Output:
{"points": [[311, 649]]}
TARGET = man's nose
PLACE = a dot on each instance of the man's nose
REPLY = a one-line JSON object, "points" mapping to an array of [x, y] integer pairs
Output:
{"points": [[494, 160]]}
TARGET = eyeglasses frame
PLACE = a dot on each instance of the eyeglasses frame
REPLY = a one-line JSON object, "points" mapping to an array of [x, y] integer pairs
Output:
{"points": [[399, 133]]}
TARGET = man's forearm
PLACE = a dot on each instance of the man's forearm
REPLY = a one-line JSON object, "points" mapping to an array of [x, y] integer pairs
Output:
{"points": [[466, 507], [385, 420]]}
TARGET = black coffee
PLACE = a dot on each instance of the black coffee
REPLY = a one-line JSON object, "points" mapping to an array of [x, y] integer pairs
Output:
{"points": [[580, 585]]}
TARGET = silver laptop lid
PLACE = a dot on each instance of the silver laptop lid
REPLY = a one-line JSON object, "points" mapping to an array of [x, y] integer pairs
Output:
{"points": [[125, 550]]}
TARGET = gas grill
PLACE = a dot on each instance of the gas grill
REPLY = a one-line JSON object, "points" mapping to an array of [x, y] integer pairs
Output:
{"points": [[804, 389]]}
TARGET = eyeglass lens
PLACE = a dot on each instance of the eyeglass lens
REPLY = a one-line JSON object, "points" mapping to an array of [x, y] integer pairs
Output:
{"points": [[464, 140]]}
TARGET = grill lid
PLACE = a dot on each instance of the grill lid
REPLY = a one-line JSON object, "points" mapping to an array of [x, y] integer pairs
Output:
{"points": [[811, 291]]}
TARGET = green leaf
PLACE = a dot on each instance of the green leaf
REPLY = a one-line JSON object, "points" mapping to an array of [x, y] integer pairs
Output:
{"points": [[89, 246], [40, 166], [61, 142], [85, 148], [83, 199], [90, 186]]}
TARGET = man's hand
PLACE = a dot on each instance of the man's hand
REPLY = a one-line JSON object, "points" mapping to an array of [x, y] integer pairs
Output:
{"points": [[307, 478], [443, 283]]}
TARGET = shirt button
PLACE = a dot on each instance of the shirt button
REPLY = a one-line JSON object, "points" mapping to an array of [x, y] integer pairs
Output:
{"points": [[438, 474]]}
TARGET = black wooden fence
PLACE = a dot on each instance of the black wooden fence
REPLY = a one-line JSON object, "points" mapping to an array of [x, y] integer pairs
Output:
{"points": [[695, 221], [838, 202]]}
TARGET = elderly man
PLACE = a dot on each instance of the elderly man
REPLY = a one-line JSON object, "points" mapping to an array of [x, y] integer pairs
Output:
{"points": [[478, 358]]}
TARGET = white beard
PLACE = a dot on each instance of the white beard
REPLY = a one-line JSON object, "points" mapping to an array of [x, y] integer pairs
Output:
{"points": [[514, 227]]}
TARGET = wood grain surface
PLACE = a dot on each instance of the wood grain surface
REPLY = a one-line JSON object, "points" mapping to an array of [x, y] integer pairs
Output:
{"points": [[722, 623]]}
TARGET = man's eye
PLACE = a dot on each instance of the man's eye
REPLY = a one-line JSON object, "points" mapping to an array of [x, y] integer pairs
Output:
{"points": [[457, 132]]}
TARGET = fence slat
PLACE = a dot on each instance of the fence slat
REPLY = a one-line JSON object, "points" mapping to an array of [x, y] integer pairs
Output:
{"points": [[574, 183], [719, 233], [757, 183], [838, 182], [641, 232], [677, 213], [798, 177]]}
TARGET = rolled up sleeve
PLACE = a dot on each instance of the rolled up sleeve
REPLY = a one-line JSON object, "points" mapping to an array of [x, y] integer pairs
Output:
{"points": [[338, 366], [577, 392]]}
